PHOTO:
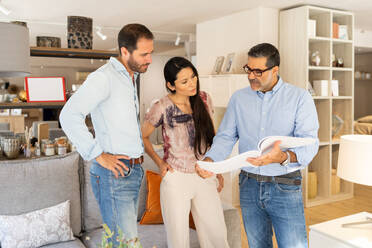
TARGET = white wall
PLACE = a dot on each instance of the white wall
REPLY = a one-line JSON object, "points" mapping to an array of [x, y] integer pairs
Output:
{"points": [[363, 38], [153, 82], [234, 33]]}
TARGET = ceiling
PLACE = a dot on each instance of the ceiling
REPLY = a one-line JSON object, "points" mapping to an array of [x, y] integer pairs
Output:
{"points": [[164, 17]]}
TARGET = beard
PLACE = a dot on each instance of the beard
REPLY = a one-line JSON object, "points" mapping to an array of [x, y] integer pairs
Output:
{"points": [[136, 67]]}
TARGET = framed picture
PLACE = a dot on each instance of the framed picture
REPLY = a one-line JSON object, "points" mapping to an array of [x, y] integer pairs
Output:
{"points": [[4, 112], [45, 89], [218, 65], [227, 68]]}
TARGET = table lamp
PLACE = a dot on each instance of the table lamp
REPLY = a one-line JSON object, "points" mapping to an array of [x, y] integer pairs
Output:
{"points": [[14, 50], [355, 162]]}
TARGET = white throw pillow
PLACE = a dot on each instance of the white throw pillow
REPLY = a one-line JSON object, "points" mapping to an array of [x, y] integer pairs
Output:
{"points": [[34, 229]]}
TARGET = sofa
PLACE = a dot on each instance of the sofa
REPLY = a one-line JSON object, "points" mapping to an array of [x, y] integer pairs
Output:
{"points": [[28, 185]]}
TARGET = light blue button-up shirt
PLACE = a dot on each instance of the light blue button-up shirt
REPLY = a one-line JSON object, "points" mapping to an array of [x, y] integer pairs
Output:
{"points": [[251, 115], [110, 96]]}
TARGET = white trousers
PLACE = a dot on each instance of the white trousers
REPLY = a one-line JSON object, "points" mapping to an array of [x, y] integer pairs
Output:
{"points": [[182, 192]]}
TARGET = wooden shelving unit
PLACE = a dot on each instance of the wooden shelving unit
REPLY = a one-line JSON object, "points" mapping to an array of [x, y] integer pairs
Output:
{"points": [[72, 53], [28, 105], [295, 48]]}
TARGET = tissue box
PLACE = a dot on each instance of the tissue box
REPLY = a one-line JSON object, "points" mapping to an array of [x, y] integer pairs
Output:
{"points": [[311, 28], [321, 87]]}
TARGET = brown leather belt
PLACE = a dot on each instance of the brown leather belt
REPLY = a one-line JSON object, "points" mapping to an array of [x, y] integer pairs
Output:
{"points": [[133, 161], [289, 178]]}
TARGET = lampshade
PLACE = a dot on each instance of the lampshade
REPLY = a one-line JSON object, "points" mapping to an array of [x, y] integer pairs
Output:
{"points": [[14, 50], [355, 159]]}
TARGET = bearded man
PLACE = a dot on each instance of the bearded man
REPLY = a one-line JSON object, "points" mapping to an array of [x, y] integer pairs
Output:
{"points": [[109, 95]]}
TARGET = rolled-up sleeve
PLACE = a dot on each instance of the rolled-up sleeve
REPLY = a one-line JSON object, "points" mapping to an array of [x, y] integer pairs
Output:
{"points": [[306, 126], [72, 118], [227, 135]]}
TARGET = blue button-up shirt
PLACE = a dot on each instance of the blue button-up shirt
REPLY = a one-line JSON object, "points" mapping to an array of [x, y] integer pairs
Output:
{"points": [[251, 115], [109, 94]]}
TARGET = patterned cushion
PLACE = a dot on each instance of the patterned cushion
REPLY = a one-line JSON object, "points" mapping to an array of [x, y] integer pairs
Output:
{"points": [[34, 229]]}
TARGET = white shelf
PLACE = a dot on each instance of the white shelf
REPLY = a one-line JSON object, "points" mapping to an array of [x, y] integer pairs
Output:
{"points": [[342, 97], [321, 97], [342, 69], [319, 68], [340, 41], [297, 47], [318, 38]]}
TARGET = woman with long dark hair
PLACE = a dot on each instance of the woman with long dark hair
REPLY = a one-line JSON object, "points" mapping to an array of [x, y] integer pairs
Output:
{"points": [[187, 128]]}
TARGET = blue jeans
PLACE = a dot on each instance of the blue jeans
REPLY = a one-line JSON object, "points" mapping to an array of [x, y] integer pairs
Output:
{"points": [[117, 198], [268, 204]]}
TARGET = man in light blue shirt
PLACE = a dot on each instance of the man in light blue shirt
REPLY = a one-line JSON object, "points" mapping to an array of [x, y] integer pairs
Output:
{"points": [[109, 95], [270, 194]]}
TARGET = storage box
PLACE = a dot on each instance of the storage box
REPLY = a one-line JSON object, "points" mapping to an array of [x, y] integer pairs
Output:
{"points": [[311, 28], [334, 87], [321, 87]]}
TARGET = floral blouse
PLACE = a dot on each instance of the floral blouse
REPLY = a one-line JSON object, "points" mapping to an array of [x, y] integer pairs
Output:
{"points": [[178, 132]]}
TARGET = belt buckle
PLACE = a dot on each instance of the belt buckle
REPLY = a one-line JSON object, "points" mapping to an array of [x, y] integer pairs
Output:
{"points": [[297, 182]]}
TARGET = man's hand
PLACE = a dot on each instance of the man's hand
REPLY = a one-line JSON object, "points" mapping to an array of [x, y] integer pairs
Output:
{"points": [[274, 156], [220, 182], [204, 173], [112, 163], [164, 168]]}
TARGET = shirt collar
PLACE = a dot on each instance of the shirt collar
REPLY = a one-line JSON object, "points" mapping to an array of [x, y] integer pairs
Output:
{"points": [[277, 86], [120, 67]]}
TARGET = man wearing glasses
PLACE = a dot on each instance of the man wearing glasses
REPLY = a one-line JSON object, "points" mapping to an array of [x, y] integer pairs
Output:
{"points": [[270, 194]]}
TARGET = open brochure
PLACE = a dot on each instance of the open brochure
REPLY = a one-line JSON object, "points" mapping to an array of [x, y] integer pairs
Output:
{"points": [[264, 146]]}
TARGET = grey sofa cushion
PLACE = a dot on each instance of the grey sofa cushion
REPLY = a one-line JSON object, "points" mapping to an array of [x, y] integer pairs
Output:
{"points": [[91, 215], [149, 235], [69, 244], [40, 183]]}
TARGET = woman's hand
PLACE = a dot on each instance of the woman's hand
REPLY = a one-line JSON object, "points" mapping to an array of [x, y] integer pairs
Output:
{"points": [[220, 182], [164, 168]]}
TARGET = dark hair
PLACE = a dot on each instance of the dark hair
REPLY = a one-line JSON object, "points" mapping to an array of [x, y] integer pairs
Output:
{"points": [[268, 51], [204, 130], [130, 34]]}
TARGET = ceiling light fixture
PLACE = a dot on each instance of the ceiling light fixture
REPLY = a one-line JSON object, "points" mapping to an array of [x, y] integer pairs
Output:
{"points": [[4, 9], [100, 34], [178, 39]]}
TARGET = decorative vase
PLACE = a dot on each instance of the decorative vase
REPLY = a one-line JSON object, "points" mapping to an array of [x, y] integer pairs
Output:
{"points": [[312, 184], [48, 41], [11, 147], [79, 32], [315, 58]]}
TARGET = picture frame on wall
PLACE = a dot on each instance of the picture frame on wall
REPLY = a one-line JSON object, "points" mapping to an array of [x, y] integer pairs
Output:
{"points": [[228, 66], [45, 89], [218, 65]]}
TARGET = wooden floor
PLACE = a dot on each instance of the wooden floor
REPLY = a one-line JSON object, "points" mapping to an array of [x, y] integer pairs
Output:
{"points": [[362, 201]]}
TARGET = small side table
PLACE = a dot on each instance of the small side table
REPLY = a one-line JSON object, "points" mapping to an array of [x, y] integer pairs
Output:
{"points": [[331, 234]]}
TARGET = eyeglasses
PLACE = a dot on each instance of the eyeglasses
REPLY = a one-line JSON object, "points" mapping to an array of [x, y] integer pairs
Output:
{"points": [[256, 72]]}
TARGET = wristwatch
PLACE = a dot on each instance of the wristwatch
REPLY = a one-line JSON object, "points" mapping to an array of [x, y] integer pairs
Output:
{"points": [[288, 160]]}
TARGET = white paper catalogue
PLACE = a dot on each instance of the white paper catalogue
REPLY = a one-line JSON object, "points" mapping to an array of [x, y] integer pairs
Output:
{"points": [[264, 146]]}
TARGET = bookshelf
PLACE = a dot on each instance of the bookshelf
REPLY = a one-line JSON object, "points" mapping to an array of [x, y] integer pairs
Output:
{"points": [[295, 47]]}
